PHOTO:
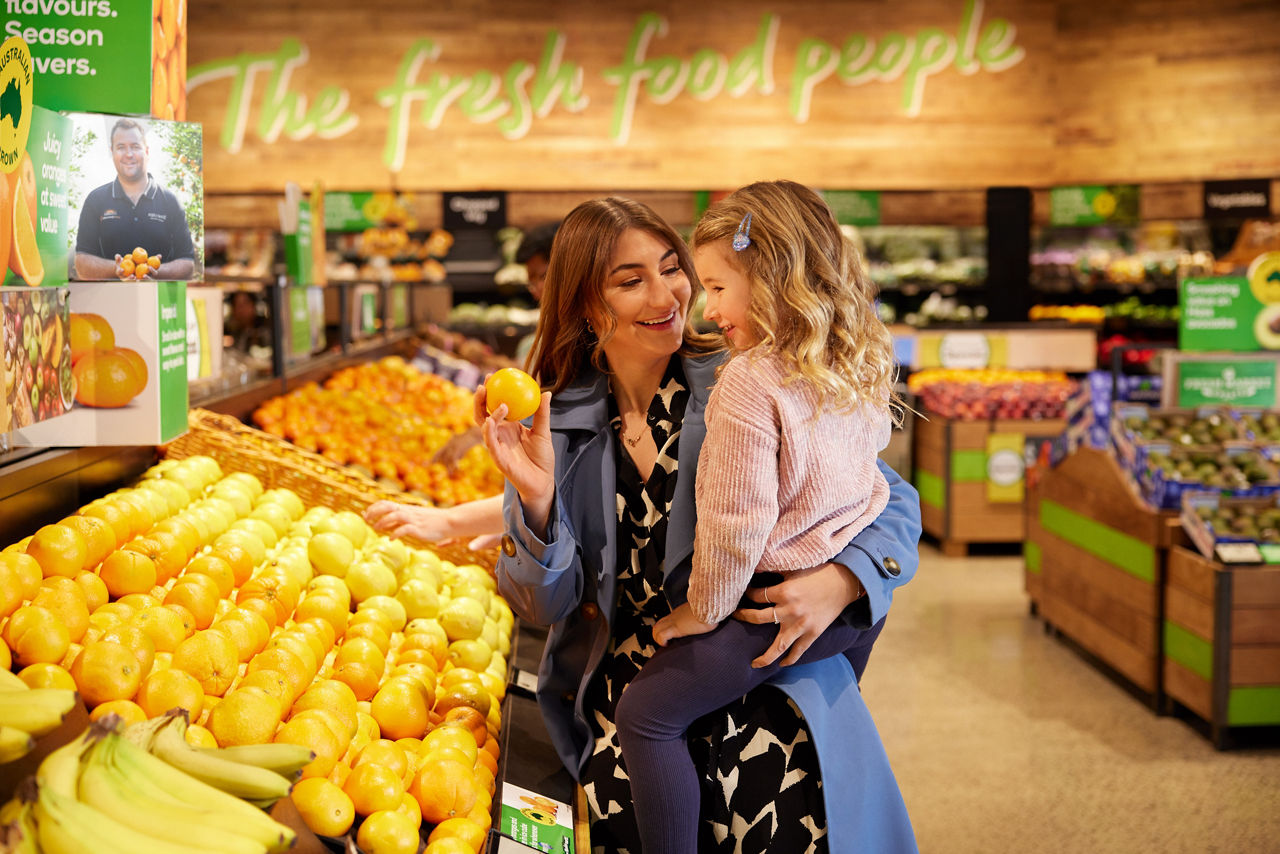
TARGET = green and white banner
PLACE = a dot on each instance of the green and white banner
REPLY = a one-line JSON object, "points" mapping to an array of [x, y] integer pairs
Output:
{"points": [[1235, 313]]}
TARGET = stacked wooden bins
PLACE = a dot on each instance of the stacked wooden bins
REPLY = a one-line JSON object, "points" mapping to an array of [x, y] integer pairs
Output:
{"points": [[971, 479], [1095, 558], [1222, 643]]}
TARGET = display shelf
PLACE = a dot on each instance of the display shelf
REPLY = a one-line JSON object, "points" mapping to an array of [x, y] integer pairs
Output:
{"points": [[1221, 635], [1095, 561]]}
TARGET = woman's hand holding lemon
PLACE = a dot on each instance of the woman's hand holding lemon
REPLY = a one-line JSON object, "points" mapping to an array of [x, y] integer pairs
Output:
{"points": [[524, 455]]}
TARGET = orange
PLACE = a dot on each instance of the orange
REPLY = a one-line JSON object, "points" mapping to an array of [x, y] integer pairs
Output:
{"points": [[10, 590], [373, 788], [170, 689], [242, 635], [288, 665], [388, 832], [94, 589], [338, 776], [199, 736], [259, 630], [376, 615], [410, 808], [120, 522], [299, 645], [424, 673], [279, 593], [128, 711], [245, 716], [418, 656], [324, 807], [337, 699], [139, 255], [371, 630], [483, 776], [126, 267], [59, 549], [448, 845], [164, 626], [238, 558], [272, 682], [35, 635], [217, 569], [470, 719], [6, 657], [451, 736], [166, 553], [487, 760], [67, 606], [444, 789], [125, 572], [106, 379], [479, 814], [138, 363], [47, 675], [316, 733], [24, 258], [516, 389], [385, 752], [325, 607], [437, 645], [470, 694], [153, 262], [262, 607], [200, 599], [188, 619], [26, 572], [400, 707], [211, 658], [106, 671], [459, 828], [131, 635], [99, 537], [140, 512], [361, 679], [361, 651], [183, 531], [318, 632]]}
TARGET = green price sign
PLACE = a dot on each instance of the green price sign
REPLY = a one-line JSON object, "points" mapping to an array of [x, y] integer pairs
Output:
{"points": [[86, 56], [171, 328], [1094, 205], [854, 207], [297, 248], [1246, 382]]}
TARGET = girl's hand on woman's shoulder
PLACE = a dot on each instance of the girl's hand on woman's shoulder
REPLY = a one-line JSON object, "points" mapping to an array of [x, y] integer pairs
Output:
{"points": [[803, 605]]}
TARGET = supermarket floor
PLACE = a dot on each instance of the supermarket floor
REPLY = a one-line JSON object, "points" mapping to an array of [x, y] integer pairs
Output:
{"points": [[1004, 739]]}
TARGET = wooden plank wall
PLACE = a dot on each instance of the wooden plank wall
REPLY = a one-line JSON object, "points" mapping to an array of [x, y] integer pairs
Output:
{"points": [[1147, 91]]}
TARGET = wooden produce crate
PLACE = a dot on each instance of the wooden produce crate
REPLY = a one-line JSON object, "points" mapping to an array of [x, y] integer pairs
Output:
{"points": [[958, 504], [1095, 565], [1222, 642]]}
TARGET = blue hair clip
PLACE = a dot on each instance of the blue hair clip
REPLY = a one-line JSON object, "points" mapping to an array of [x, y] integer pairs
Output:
{"points": [[742, 237]]}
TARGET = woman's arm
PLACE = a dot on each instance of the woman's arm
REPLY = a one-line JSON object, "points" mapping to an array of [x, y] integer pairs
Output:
{"points": [[857, 586]]}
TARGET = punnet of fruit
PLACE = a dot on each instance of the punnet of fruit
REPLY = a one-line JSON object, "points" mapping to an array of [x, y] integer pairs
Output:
{"points": [[982, 394], [387, 419], [266, 622]]}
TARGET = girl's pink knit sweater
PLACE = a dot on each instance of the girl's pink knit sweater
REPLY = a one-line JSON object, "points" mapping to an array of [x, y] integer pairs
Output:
{"points": [[782, 484]]}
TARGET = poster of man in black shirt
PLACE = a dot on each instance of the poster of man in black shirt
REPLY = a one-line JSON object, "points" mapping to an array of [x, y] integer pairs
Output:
{"points": [[133, 211]]}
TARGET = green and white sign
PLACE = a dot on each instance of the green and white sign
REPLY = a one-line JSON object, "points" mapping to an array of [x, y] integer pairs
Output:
{"points": [[44, 173], [88, 55], [299, 322], [347, 211], [1239, 314], [854, 207], [368, 313], [398, 306], [171, 300], [1244, 382], [297, 248], [1093, 205], [541, 823]]}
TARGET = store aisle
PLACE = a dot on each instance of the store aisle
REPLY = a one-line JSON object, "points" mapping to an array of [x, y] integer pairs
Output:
{"points": [[1005, 740]]}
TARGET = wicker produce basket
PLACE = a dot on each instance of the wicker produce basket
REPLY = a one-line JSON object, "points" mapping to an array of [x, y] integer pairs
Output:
{"points": [[280, 464]]}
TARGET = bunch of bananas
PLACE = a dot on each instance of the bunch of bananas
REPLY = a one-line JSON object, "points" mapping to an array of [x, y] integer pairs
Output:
{"points": [[28, 713], [106, 793]]}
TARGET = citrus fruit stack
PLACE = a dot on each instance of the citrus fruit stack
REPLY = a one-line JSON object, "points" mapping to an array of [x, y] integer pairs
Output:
{"points": [[138, 264], [270, 621], [106, 375], [387, 419]]}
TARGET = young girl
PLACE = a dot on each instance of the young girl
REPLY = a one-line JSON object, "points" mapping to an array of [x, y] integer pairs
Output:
{"points": [[787, 474]]}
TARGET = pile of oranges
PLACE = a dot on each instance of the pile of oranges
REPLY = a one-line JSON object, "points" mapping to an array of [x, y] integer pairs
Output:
{"points": [[387, 419], [138, 264], [105, 375], [198, 591]]}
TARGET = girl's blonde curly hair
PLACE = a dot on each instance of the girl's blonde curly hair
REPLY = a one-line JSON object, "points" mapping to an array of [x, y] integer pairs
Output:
{"points": [[812, 304]]}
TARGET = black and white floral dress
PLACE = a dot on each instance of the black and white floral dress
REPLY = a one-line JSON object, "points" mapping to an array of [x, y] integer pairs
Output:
{"points": [[761, 790]]}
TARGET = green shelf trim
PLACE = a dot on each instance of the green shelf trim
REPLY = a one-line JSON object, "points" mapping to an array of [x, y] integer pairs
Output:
{"points": [[930, 488], [1121, 550], [1188, 649], [1031, 553], [1257, 705], [968, 466]]}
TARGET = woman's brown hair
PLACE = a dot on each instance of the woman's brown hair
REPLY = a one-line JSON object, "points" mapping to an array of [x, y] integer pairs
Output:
{"points": [[564, 344]]}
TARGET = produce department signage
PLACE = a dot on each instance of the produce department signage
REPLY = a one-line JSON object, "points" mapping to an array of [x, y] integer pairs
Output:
{"points": [[1234, 383], [1237, 199], [432, 96], [1235, 313], [1093, 205]]}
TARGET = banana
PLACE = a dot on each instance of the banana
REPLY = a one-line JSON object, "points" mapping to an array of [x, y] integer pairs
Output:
{"points": [[243, 781], [287, 760], [64, 825], [21, 833], [14, 743], [143, 733], [38, 711], [147, 809], [141, 768], [9, 681], [60, 770]]}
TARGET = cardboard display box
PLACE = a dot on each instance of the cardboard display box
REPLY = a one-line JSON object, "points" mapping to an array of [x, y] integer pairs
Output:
{"points": [[1221, 637], [971, 476]]}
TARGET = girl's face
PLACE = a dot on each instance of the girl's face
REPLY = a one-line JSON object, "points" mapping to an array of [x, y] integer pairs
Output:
{"points": [[649, 295], [728, 294]]}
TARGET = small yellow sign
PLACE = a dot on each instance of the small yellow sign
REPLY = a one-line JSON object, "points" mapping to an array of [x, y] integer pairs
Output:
{"points": [[1006, 468], [15, 102]]}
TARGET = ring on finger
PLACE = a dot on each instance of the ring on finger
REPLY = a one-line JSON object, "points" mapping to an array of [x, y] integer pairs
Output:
{"points": [[766, 596], [775, 615]]}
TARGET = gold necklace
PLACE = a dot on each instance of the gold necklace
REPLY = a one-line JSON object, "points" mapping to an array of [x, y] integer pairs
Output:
{"points": [[631, 443]]}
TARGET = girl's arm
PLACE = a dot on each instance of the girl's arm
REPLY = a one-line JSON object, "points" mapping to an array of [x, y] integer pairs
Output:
{"points": [[436, 524], [857, 586]]}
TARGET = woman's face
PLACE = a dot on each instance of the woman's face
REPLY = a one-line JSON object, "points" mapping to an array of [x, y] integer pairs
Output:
{"points": [[728, 294], [649, 296]]}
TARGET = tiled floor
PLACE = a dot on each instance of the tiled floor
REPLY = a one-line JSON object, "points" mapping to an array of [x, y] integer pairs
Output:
{"points": [[1003, 739]]}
